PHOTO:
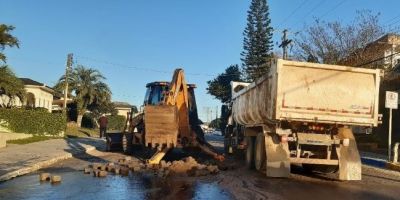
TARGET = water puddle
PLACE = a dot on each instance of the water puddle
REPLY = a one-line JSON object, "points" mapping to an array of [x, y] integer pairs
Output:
{"points": [[76, 185]]}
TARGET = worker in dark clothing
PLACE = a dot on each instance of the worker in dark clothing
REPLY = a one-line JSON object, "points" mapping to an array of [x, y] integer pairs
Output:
{"points": [[103, 121]]}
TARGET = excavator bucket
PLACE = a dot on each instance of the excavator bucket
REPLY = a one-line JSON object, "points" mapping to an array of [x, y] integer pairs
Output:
{"points": [[161, 124]]}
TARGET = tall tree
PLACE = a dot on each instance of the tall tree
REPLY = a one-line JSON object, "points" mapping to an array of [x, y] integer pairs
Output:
{"points": [[332, 42], [11, 87], [89, 89], [6, 39], [257, 43], [220, 87]]}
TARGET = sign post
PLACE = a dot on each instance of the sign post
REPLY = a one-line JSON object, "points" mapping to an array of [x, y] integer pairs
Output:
{"points": [[391, 102]]}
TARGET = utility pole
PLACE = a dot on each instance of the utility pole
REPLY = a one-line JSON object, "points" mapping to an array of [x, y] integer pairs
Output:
{"points": [[67, 69], [216, 112], [210, 116], [285, 42]]}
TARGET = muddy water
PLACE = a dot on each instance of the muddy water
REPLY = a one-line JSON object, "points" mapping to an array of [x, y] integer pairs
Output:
{"points": [[76, 185]]}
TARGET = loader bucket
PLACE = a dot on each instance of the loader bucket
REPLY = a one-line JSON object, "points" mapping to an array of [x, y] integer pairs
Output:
{"points": [[161, 125]]}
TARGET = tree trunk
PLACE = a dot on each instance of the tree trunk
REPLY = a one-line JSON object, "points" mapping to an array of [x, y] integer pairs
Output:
{"points": [[79, 120]]}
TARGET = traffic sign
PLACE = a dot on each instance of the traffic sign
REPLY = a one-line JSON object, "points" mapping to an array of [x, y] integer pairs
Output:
{"points": [[392, 100]]}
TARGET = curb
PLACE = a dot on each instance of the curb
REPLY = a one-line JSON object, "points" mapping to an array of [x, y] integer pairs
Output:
{"points": [[380, 163], [41, 164], [392, 166]]}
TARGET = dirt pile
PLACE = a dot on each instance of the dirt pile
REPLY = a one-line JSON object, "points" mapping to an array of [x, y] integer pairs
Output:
{"points": [[189, 166]]}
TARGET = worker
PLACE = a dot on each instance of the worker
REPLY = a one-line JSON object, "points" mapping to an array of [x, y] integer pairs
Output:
{"points": [[103, 121]]}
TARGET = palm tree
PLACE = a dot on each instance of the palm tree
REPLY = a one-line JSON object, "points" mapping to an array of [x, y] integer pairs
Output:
{"points": [[88, 86], [6, 39], [10, 86]]}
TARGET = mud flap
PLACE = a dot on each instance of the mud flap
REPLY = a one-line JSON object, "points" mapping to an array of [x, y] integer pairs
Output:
{"points": [[349, 157], [277, 160]]}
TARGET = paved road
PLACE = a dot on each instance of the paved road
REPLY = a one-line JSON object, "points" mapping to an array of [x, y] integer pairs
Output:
{"points": [[236, 183], [246, 184]]}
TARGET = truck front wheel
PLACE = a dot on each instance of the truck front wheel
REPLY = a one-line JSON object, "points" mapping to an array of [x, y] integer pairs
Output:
{"points": [[250, 152]]}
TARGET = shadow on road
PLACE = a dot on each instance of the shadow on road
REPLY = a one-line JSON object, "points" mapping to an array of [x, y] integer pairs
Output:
{"points": [[78, 150]]}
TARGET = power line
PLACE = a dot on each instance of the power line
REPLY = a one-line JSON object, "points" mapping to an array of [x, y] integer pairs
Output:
{"points": [[313, 9], [148, 69], [393, 24], [390, 20], [378, 59], [331, 10], [293, 12]]}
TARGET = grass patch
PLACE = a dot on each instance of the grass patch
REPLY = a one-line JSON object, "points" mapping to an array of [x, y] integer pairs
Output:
{"points": [[73, 132], [33, 139]]}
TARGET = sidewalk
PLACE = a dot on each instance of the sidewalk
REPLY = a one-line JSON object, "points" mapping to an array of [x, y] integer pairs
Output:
{"points": [[378, 160], [17, 160]]}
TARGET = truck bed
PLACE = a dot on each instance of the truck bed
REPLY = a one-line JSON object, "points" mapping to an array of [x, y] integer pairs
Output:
{"points": [[301, 91]]}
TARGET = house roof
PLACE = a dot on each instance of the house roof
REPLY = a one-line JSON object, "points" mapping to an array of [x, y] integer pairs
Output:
{"points": [[28, 81], [122, 104]]}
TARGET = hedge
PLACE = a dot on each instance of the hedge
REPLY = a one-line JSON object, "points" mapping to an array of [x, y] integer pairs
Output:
{"points": [[35, 121], [115, 122]]}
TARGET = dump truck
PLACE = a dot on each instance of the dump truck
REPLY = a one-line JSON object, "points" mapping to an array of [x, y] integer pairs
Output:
{"points": [[302, 113], [169, 120]]}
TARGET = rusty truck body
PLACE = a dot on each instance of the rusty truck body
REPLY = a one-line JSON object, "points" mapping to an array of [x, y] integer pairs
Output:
{"points": [[302, 113]]}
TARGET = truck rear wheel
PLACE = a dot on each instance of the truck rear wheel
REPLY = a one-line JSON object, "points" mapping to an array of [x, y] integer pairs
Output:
{"points": [[260, 154], [127, 143], [250, 152]]}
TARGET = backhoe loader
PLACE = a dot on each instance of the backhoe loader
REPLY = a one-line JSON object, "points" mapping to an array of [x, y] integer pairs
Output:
{"points": [[169, 120]]}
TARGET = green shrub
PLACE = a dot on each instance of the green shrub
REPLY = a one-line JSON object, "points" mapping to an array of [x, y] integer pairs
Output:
{"points": [[33, 121], [88, 121], [116, 122]]}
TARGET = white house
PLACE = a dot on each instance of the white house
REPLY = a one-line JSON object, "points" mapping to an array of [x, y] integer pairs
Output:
{"points": [[123, 108], [37, 95]]}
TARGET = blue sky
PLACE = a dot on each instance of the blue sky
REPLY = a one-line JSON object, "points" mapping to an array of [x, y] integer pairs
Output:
{"points": [[135, 42]]}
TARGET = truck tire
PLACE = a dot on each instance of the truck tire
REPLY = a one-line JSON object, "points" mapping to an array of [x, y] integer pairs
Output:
{"points": [[250, 152], [127, 143], [227, 143], [260, 154], [108, 146]]}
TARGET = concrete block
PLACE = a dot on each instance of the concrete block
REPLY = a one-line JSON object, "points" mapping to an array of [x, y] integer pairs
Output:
{"points": [[86, 170], [131, 166], [117, 170], [96, 165], [124, 171], [96, 172], [102, 174], [121, 161], [128, 158], [55, 179], [44, 177], [110, 168]]}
